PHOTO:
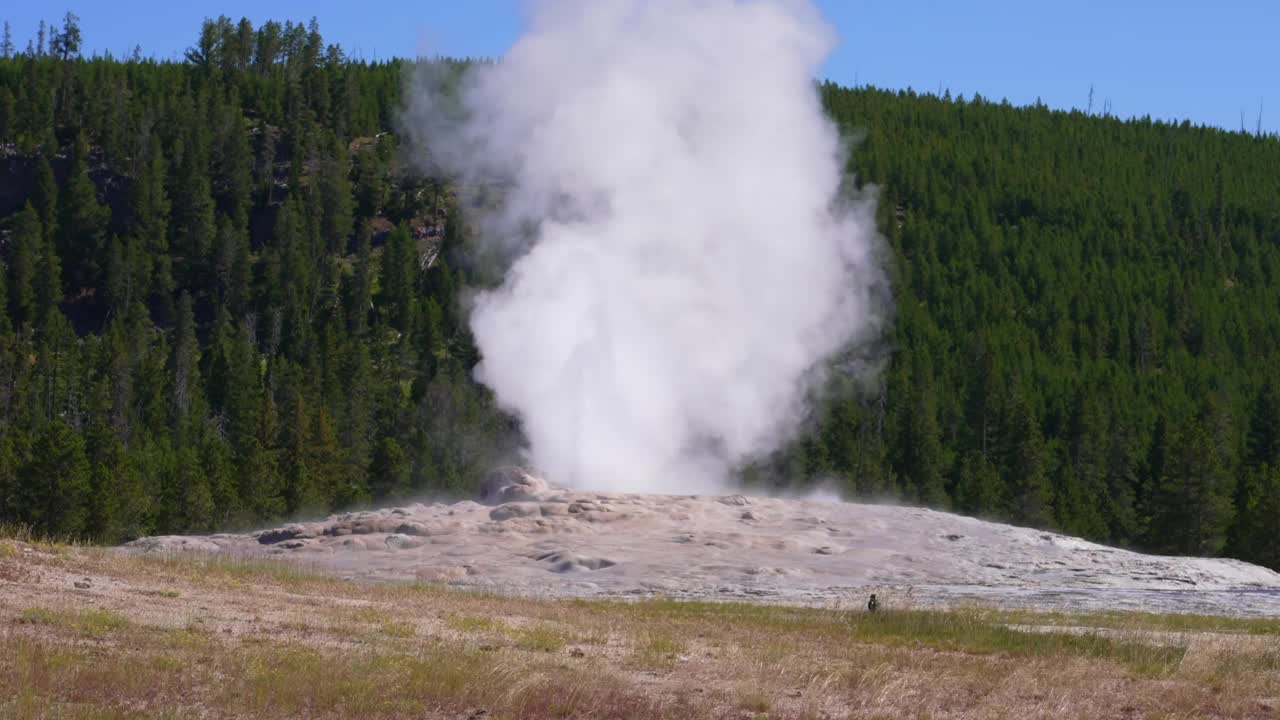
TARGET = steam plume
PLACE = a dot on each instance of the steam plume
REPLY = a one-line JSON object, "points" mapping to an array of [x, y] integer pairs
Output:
{"points": [[686, 259]]}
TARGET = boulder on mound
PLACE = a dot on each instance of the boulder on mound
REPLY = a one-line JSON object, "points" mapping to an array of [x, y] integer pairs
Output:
{"points": [[567, 562], [174, 544], [512, 484]]}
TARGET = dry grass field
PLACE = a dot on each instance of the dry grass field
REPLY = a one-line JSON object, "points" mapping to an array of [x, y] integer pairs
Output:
{"points": [[92, 633]]}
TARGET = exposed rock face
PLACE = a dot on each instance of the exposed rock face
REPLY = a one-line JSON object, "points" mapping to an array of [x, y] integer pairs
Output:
{"points": [[531, 537]]}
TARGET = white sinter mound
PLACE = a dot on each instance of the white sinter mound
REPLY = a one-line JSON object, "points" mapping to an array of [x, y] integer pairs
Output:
{"points": [[528, 537]]}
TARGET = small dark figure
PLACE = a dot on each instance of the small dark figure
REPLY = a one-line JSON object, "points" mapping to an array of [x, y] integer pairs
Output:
{"points": [[872, 604]]}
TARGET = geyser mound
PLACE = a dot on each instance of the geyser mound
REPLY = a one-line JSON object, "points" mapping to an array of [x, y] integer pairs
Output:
{"points": [[531, 537]]}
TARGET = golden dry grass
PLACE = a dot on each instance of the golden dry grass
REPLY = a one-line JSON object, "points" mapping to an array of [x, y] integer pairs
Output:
{"points": [[214, 637]]}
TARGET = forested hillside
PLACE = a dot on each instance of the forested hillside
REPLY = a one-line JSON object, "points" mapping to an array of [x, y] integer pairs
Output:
{"points": [[1088, 323], [227, 300]]}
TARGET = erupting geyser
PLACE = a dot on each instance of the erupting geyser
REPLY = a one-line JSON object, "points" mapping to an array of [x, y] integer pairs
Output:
{"points": [[686, 254]]}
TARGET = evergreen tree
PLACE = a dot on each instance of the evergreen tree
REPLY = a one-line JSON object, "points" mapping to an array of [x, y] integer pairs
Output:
{"points": [[7, 342], [978, 487], [371, 185], [300, 492], [6, 325], [264, 158], [195, 497], [399, 268], [241, 391], [983, 402], [66, 44], [1030, 493], [12, 463], [918, 454], [335, 198], [54, 495], [24, 269], [119, 369], [1257, 537], [58, 369], [324, 460], [1122, 511], [113, 492], [360, 295], [44, 197], [232, 265], [8, 116], [1149, 487], [238, 49], [206, 54], [82, 223], [390, 472], [188, 405], [232, 166], [1193, 510], [1264, 428], [151, 275], [1082, 492], [218, 463], [193, 214], [267, 46]]}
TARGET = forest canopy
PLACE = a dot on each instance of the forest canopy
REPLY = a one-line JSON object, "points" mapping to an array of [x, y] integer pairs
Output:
{"points": [[226, 299]]}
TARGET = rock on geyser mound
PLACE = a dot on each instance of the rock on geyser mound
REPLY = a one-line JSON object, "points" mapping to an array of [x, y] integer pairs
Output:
{"points": [[511, 484], [528, 536]]}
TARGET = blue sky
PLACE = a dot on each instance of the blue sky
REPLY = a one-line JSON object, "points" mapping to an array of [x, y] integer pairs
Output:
{"points": [[1176, 59]]}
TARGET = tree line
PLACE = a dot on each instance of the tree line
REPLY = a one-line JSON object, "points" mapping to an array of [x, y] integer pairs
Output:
{"points": [[227, 301]]}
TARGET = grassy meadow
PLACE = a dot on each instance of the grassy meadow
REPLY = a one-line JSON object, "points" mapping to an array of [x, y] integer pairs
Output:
{"points": [[94, 633]]}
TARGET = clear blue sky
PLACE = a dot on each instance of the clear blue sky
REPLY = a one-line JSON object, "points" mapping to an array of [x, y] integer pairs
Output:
{"points": [[1177, 59]]}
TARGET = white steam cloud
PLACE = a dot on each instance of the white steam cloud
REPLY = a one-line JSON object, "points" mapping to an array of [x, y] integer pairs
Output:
{"points": [[688, 256]]}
